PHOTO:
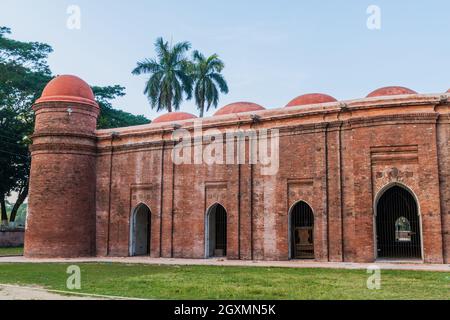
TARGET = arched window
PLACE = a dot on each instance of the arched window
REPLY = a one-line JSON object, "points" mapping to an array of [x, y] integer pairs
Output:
{"points": [[398, 225], [140, 229], [301, 231], [216, 231]]}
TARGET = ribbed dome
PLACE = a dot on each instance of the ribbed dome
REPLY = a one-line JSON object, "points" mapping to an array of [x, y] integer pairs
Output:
{"points": [[311, 98], [68, 88], [174, 116], [391, 91], [239, 107]]}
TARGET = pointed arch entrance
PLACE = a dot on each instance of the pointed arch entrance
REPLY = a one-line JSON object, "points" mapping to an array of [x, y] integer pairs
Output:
{"points": [[398, 226], [301, 231], [216, 231], [140, 229]]}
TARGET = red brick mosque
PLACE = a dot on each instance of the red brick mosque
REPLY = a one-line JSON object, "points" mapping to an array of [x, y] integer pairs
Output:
{"points": [[358, 181]]}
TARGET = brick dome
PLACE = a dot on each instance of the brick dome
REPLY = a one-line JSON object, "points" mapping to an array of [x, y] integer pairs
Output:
{"points": [[448, 91], [68, 88], [174, 116], [391, 91], [239, 107], [311, 98]]}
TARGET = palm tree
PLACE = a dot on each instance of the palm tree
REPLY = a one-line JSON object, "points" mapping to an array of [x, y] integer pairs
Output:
{"points": [[208, 80], [169, 75]]}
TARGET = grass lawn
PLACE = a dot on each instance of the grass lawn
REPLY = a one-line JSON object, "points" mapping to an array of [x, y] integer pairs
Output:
{"points": [[4, 252], [211, 282]]}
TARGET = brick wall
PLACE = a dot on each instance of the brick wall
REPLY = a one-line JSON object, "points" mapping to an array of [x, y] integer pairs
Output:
{"points": [[338, 159], [61, 215]]}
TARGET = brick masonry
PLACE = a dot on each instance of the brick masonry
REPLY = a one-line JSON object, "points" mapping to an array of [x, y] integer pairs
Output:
{"points": [[12, 238], [338, 157]]}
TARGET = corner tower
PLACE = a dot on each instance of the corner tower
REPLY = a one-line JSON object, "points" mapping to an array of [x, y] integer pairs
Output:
{"points": [[61, 216]]}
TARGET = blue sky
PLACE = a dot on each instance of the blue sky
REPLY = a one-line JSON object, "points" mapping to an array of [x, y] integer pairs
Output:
{"points": [[273, 50]]}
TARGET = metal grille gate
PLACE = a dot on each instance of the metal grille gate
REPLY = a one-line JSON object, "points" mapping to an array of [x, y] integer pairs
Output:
{"points": [[302, 231], [398, 225]]}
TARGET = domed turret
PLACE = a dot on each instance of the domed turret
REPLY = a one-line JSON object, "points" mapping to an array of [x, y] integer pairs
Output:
{"points": [[391, 91], [68, 88], [61, 215], [311, 98], [174, 117], [239, 107]]}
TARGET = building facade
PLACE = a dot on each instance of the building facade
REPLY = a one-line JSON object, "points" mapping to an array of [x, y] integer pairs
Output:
{"points": [[355, 181]]}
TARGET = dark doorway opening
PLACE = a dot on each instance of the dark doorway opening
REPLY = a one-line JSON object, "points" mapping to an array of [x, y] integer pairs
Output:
{"points": [[140, 231], [302, 231], [216, 228], [398, 225]]}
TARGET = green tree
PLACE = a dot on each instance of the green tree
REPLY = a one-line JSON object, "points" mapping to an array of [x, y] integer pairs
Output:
{"points": [[30, 55], [23, 74], [208, 80], [14, 159], [110, 117], [169, 75]]}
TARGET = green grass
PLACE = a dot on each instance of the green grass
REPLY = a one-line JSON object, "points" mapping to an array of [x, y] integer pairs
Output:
{"points": [[211, 282], [4, 252]]}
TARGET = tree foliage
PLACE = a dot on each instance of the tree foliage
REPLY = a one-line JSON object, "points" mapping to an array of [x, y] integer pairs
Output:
{"points": [[169, 75], [23, 75], [30, 55], [208, 81], [110, 117]]}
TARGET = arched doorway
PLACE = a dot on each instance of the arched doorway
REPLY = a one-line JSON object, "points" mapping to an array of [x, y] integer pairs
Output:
{"points": [[140, 228], [398, 225], [301, 231], [216, 232]]}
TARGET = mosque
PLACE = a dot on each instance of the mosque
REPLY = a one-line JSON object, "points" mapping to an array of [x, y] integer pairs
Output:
{"points": [[356, 181]]}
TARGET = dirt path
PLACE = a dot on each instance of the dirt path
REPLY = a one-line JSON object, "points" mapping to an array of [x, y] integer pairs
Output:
{"points": [[8, 292]]}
